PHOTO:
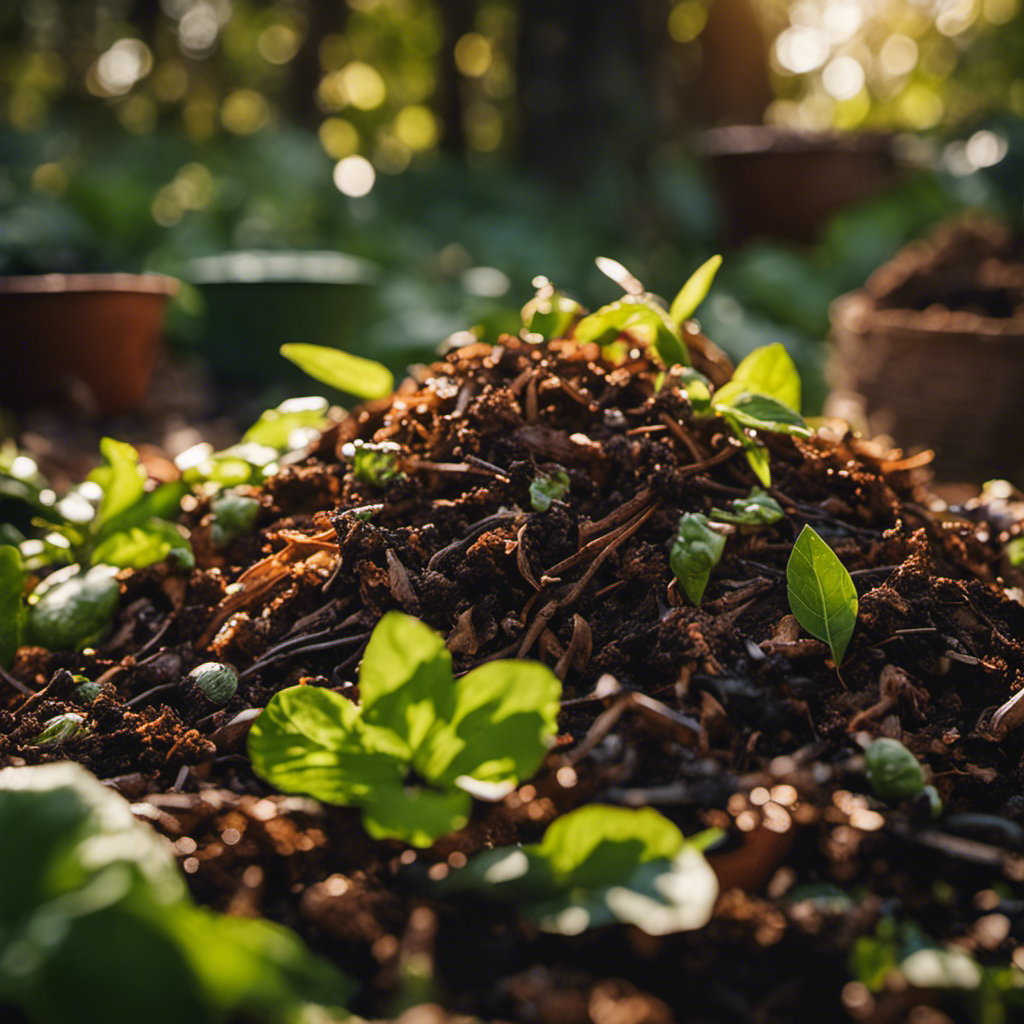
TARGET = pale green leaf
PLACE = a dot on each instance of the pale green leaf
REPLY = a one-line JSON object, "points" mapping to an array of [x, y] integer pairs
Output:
{"points": [[417, 814], [821, 593], [139, 546], [767, 371], [502, 724], [310, 740], [290, 424], [405, 680], [122, 480], [756, 412], [757, 509], [693, 293], [363, 378], [642, 322]]}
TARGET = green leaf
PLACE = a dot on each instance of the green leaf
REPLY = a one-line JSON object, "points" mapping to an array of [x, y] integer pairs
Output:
{"points": [[893, 771], [421, 744], [233, 515], [74, 612], [363, 378], [503, 722], [548, 487], [291, 425], [12, 606], [767, 371], [821, 593], [550, 313], [405, 680], [693, 293], [122, 479], [139, 546], [640, 320], [756, 412], [373, 463], [756, 510], [696, 550], [598, 865], [310, 740]]}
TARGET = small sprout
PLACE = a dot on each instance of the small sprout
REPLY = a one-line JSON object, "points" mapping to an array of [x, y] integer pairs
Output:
{"points": [[550, 313], [217, 682], [757, 509], [548, 487], [373, 463], [696, 550], [61, 729], [86, 691], [934, 801], [233, 515], [893, 771]]}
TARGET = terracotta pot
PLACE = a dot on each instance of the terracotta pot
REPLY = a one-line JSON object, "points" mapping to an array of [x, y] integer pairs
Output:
{"points": [[258, 301], [780, 183], [94, 334]]}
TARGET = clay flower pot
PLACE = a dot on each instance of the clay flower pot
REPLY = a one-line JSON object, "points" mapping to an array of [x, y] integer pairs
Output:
{"points": [[94, 334], [787, 184], [260, 300]]}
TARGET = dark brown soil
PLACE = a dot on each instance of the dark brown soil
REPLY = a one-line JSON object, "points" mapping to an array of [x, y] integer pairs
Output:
{"points": [[726, 714]]}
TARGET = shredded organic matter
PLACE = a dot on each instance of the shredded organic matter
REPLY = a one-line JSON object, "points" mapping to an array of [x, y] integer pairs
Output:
{"points": [[723, 715]]}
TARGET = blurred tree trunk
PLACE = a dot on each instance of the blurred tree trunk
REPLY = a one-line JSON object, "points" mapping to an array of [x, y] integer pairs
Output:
{"points": [[457, 18], [734, 87], [586, 76], [323, 18]]}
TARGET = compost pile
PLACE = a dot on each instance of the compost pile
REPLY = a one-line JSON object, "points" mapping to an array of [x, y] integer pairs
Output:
{"points": [[721, 715]]}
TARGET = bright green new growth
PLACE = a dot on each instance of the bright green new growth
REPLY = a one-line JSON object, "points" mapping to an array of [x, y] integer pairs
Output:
{"points": [[233, 515], [763, 395], [696, 550], [693, 293], [641, 320], [821, 593], [363, 378], [548, 487], [893, 771], [61, 729], [373, 463], [550, 313], [599, 865], [756, 510], [420, 743], [96, 922]]}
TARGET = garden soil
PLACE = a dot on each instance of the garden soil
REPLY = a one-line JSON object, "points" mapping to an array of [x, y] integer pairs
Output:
{"points": [[725, 715]]}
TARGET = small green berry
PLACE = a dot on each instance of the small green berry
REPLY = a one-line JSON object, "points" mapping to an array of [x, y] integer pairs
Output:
{"points": [[893, 771], [215, 681], [62, 728]]}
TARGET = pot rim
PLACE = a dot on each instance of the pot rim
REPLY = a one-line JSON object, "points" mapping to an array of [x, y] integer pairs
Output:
{"points": [[282, 266], [56, 284]]}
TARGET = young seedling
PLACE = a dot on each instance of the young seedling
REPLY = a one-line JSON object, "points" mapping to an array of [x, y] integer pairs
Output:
{"points": [[62, 729], [821, 593], [696, 550], [599, 865], [420, 744], [763, 396], [757, 510], [693, 293], [896, 776], [548, 487], [373, 463]]}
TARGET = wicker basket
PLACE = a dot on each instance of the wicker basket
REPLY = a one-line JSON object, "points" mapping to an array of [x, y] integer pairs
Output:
{"points": [[932, 376]]}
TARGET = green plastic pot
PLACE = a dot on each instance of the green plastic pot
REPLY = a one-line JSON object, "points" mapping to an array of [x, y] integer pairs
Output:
{"points": [[257, 301]]}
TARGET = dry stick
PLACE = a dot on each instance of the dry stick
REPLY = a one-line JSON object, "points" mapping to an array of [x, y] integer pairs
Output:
{"points": [[522, 562], [714, 460], [620, 515], [585, 552], [471, 535], [326, 646], [602, 726], [557, 604], [683, 436], [16, 684]]}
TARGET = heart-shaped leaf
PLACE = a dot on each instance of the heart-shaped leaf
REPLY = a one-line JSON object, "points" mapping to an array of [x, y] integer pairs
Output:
{"points": [[821, 593]]}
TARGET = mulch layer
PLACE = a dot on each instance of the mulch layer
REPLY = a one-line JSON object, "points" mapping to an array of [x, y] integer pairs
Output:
{"points": [[724, 715]]}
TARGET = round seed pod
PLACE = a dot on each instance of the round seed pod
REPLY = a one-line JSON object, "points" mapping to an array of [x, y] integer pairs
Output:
{"points": [[86, 692], [62, 728], [216, 682], [893, 771]]}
